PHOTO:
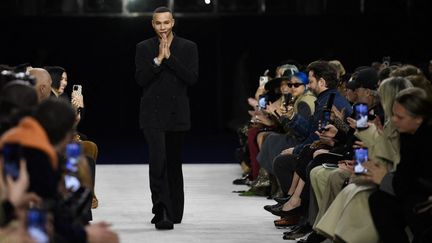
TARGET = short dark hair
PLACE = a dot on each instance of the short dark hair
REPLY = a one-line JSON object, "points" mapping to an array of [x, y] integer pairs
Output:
{"points": [[57, 117], [162, 9], [56, 73], [322, 69]]}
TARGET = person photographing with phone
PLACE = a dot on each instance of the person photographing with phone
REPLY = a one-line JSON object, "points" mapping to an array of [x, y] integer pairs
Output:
{"points": [[59, 83], [166, 65]]}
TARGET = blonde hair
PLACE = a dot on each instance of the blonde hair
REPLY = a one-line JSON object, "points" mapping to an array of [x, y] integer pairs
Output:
{"points": [[388, 90], [338, 66]]}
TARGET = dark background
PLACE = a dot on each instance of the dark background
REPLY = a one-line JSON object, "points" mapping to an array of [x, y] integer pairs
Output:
{"points": [[235, 47]]}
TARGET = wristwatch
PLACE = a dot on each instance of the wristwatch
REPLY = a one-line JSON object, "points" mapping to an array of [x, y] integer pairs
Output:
{"points": [[156, 61]]}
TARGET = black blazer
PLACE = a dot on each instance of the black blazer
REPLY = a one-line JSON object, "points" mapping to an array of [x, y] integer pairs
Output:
{"points": [[164, 102]]}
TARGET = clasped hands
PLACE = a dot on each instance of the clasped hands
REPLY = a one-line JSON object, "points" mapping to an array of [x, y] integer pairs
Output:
{"points": [[164, 51]]}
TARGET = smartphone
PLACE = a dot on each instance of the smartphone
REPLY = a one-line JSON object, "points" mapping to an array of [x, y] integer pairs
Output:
{"points": [[325, 120], [12, 155], [287, 99], [263, 80], [326, 113], [73, 152], [262, 102], [361, 115], [77, 88], [360, 156], [37, 225]]}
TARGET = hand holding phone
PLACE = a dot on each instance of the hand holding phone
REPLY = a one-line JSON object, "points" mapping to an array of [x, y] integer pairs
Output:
{"points": [[77, 97]]}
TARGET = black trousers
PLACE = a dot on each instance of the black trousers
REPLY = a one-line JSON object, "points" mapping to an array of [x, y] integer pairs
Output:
{"points": [[283, 168], [165, 169]]}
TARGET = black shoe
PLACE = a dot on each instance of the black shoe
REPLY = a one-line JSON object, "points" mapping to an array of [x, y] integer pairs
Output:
{"points": [[282, 199], [299, 232], [242, 181], [293, 228], [313, 238], [156, 218], [295, 211], [271, 208], [164, 222]]}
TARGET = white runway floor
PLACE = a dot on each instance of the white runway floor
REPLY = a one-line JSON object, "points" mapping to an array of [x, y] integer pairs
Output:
{"points": [[212, 212]]}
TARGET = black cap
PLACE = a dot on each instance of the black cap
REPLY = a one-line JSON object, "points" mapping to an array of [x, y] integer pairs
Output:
{"points": [[367, 78]]}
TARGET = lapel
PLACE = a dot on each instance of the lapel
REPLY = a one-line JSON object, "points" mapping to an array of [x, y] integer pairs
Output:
{"points": [[174, 44]]}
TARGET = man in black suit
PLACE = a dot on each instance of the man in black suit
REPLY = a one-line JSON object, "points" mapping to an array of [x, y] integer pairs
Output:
{"points": [[165, 66]]}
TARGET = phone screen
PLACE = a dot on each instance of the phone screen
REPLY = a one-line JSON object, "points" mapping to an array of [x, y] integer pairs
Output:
{"points": [[361, 111], [72, 183], [12, 157], [325, 119], [360, 156], [262, 102], [36, 225]]}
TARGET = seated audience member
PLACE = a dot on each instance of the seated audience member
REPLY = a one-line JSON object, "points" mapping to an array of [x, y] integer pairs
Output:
{"points": [[17, 98], [322, 82], [14, 200], [59, 82], [300, 102], [262, 124], [43, 83], [393, 205], [43, 137], [337, 209]]}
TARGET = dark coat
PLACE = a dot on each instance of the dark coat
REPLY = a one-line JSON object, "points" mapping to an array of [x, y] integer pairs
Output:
{"points": [[415, 165], [164, 103]]}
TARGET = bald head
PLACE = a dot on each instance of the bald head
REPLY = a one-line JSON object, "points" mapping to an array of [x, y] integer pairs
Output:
{"points": [[43, 82]]}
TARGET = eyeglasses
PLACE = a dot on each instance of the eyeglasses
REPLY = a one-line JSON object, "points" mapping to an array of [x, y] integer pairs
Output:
{"points": [[296, 85]]}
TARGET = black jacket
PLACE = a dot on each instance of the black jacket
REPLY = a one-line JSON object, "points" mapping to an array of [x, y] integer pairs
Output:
{"points": [[164, 103], [414, 166]]}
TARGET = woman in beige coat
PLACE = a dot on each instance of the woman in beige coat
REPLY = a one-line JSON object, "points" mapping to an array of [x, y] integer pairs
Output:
{"points": [[348, 218]]}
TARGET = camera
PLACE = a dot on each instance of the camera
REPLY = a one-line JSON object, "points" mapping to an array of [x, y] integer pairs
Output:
{"points": [[361, 113], [386, 61], [360, 156], [7, 76], [12, 155]]}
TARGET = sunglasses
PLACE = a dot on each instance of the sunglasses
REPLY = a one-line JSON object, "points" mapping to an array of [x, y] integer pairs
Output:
{"points": [[296, 85]]}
